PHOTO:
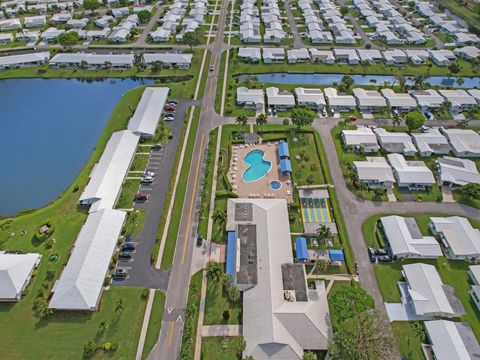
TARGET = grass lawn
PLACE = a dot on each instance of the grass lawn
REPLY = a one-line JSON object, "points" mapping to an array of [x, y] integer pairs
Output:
{"points": [[216, 303], [434, 194], [463, 11], [155, 323], [180, 194], [459, 198], [409, 344], [212, 348], [134, 223], [127, 195], [140, 161], [188, 339], [221, 76]]}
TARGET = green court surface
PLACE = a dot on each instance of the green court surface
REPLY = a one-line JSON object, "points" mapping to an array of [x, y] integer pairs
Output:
{"points": [[315, 210]]}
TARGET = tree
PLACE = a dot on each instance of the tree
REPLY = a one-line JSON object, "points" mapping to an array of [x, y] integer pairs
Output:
{"points": [[156, 66], [144, 16], [214, 271], [321, 266], [419, 81], [261, 120], [347, 81], [302, 117], [220, 217], [323, 233], [454, 67], [364, 337], [242, 120], [91, 5], [414, 120], [238, 344], [349, 301], [471, 191], [460, 81], [309, 355], [344, 10], [233, 294], [397, 120], [119, 307], [68, 38], [463, 124], [191, 39]]}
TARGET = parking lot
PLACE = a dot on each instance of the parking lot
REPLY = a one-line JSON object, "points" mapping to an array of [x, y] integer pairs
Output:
{"points": [[160, 162]]}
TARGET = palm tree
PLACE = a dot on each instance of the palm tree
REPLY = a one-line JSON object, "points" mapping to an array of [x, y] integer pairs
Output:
{"points": [[463, 124], [323, 233], [215, 271], [261, 120], [460, 81], [242, 120], [397, 120], [220, 217]]}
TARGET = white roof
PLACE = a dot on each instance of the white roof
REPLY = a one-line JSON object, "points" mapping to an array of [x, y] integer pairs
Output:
{"points": [[430, 98], [452, 340], [386, 138], [459, 235], [405, 238], [275, 53], [256, 96], [468, 51], [398, 99], [475, 272], [361, 136], [168, 58], [431, 141], [107, 177], [81, 282], [147, 114], [273, 327], [464, 140], [336, 99], [93, 59], [15, 270], [426, 290], [410, 172], [298, 54], [475, 93], [374, 168], [458, 171], [277, 97], [24, 58], [310, 95], [458, 97], [369, 97], [249, 52]]}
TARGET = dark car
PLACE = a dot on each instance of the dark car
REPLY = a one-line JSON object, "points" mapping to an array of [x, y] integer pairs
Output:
{"points": [[156, 146], [170, 136], [128, 246], [125, 255], [141, 197], [199, 241], [371, 253], [380, 252], [384, 258], [120, 274]]}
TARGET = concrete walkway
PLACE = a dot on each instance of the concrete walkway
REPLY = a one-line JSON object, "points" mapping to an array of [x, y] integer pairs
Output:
{"points": [[146, 321], [447, 194], [221, 330]]}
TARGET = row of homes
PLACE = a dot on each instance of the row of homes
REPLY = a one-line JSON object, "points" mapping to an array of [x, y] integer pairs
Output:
{"points": [[393, 57], [251, 19], [92, 60]]}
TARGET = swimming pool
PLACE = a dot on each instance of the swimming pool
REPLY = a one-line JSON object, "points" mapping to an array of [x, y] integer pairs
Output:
{"points": [[275, 185], [259, 167]]}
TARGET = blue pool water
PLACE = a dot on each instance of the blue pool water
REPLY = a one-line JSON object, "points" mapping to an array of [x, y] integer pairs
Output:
{"points": [[48, 129], [259, 167], [275, 185]]}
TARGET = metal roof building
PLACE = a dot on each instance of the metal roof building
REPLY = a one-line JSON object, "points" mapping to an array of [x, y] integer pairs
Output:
{"points": [[15, 273], [107, 176], [362, 137], [457, 172], [405, 239], [283, 150], [452, 340], [460, 239], [22, 60], [281, 316], [147, 114], [431, 142], [301, 250], [375, 171], [81, 282], [465, 142], [427, 293], [411, 174], [396, 142]]}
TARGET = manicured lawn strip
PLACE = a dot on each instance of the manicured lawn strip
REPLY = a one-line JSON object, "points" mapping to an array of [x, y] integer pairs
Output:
{"points": [[207, 184], [127, 195], [216, 303], [459, 198], [206, 69], [409, 344], [139, 161], [134, 223], [192, 321], [172, 234], [221, 76], [212, 348], [155, 323]]}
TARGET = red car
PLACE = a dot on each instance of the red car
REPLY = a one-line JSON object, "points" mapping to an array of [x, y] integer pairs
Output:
{"points": [[169, 108], [141, 197], [352, 118]]}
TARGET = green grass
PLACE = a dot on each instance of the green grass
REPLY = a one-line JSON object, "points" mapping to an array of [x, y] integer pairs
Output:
{"points": [[216, 303], [434, 194], [140, 161], [461, 199], [408, 343], [155, 323], [188, 343], [134, 223], [221, 76], [172, 234], [127, 195], [206, 69], [463, 11], [212, 348]]}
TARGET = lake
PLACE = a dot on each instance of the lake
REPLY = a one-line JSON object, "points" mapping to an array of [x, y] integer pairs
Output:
{"points": [[48, 130], [331, 79]]}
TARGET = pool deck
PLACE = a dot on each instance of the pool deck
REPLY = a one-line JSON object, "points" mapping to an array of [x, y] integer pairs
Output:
{"points": [[259, 188]]}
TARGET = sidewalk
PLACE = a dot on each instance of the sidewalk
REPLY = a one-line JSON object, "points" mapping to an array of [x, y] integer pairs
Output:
{"points": [[221, 330]]}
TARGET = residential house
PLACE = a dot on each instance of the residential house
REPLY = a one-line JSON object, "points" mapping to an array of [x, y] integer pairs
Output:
{"points": [[312, 98], [399, 102], [395, 142], [16, 270], [346, 56], [362, 138], [273, 55], [431, 142], [375, 172], [169, 60], [457, 172], [465, 142], [250, 54], [279, 100], [23, 60], [369, 100], [298, 55], [459, 99], [339, 102], [427, 100], [250, 98], [411, 174]]}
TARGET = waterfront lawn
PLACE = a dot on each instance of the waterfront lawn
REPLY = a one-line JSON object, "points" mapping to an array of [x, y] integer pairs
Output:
{"points": [[155, 323], [212, 348], [127, 194], [217, 302], [469, 15]]}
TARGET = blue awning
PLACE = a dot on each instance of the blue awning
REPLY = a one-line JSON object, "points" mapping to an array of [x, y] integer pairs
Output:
{"points": [[301, 248], [283, 150], [285, 166], [231, 253], [336, 255]]}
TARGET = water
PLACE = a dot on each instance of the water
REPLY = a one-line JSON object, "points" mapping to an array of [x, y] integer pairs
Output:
{"points": [[275, 185], [48, 129], [258, 166], [331, 79]]}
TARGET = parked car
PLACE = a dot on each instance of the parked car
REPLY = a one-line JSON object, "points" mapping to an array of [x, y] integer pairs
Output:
{"points": [[141, 197], [384, 258], [125, 255], [120, 274], [371, 253], [352, 118], [147, 179], [156, 146], [424, 129], [148, 173], [212, 68], [170, 136], [169, 107], [128, 246], [175, 102], [381, 252], [169, 118], [199, 240]]}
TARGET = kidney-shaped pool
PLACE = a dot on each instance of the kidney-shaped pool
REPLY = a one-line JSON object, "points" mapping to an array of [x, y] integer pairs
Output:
{"points": [[259, 167]]}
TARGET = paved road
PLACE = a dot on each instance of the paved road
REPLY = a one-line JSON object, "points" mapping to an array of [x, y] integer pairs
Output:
{"points": [[297, 39], [141, 39]]}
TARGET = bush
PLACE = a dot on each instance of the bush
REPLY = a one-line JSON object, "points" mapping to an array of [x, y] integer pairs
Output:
{"points": [[145, 293], [414, 120], [286, 122]]}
